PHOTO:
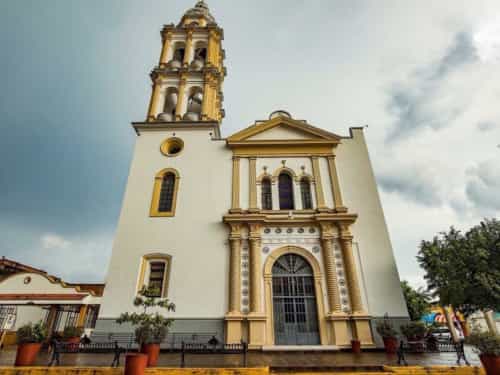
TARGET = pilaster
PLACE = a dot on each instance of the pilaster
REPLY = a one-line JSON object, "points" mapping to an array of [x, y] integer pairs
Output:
{"points": [[337, 195], [234, 317], [188, 52], [165, 50], [320, 197], [252, 204], [256, 317], [235, 197], [180, 98], [154, 103]]}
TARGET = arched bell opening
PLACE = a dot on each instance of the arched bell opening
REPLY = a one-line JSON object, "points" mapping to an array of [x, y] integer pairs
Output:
{"points": [[200, 56], [295, 314], [194, 103], [170, 104], [178, 55]]}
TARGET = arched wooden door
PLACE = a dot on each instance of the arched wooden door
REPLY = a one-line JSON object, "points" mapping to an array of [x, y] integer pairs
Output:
{"points": [[294, 302]]}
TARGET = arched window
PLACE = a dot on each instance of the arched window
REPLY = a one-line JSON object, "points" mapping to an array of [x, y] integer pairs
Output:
{"points": [[285, 187], [266, 195], [165, 193], [305, 192], [195, 100], [155, 273]]}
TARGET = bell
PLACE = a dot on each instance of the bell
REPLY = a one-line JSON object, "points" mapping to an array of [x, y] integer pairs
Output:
{"points": [[198, 98], [191, 116], [167, 117], [175, 64], [197, 64]]}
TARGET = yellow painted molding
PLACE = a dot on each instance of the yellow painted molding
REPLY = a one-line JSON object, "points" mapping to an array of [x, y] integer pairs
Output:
{"points": [[155, 200], [168, 143], [71, 370], [235, 197], [255, 129]]}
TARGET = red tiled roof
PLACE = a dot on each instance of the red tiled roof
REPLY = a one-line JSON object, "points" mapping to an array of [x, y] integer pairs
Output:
{"points": [[41, 296]]}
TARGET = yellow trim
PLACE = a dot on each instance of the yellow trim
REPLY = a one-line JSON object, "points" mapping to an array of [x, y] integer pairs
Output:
{"points": [[172, 141], [145, 260], [320, 197], [235, 196], [334, 178], [252, 167], [155, 200], [288, 122], [282, 150], [318, 276], [284, 169]]}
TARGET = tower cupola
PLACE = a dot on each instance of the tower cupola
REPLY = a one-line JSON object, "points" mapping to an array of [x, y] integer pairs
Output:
{"points": [[187, 83]]}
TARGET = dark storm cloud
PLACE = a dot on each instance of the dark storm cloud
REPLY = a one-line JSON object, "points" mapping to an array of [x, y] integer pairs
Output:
{"points": [[483, 186], [412, 184], [414, 104]]}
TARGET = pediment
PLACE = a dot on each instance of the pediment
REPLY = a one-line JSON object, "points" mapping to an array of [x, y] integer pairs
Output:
{"points": [[283, 129]]}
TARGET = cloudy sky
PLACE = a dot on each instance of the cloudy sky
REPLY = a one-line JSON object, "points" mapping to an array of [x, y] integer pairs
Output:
{"points": [[423, 74]]}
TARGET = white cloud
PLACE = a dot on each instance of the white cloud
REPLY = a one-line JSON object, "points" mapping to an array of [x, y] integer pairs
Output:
{"points": [[54, 241], [487, 41]]}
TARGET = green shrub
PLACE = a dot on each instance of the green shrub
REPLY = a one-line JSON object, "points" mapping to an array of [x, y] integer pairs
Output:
{"points": [[485, 343], [151, 328], [72, 332], [31, 333], [385, 328], [414, 330]]}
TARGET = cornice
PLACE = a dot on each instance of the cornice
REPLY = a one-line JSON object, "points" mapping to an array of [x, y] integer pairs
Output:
{"points": [[183, 125], [283, 218]]}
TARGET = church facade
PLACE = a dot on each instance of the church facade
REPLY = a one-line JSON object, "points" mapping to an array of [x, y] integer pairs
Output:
{"points": [[274, 235]]}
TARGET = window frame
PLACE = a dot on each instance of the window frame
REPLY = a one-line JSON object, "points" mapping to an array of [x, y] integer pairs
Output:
{"points": [[302, 182], [144, 272], [266, 180], [155, 200]]}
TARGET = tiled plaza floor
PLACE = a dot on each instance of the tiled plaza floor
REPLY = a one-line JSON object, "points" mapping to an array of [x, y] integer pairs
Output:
{"points": [[258, 359]]}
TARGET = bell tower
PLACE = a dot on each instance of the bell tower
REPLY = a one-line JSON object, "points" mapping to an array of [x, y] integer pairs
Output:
{"points": [[187, 83]]}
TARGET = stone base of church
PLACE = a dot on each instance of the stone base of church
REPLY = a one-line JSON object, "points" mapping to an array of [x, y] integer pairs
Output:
{"points": [[234, 328], [362, 330], [339, 325]]}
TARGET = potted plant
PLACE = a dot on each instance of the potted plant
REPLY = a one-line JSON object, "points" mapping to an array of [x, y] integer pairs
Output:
{"points": [[487, 345], [72, 334], [414, 331], [151, 328], [29, 341], [389, 335]]}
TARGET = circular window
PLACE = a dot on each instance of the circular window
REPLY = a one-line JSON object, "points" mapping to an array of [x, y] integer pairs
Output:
{"points": [[27, 280], [172, 146]]}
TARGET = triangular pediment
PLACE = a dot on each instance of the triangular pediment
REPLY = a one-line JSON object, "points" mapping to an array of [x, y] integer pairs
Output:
{"points": [[283, 129]]}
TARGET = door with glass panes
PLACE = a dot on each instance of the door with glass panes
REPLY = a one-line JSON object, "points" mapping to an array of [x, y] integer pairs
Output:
{"points": [[294, 302]]}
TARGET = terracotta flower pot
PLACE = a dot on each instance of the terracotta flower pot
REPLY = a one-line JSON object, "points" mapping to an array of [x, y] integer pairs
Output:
{"points": [[491, 364], [135, 363], [356, 346], [26, 353], [390, 345], [153, 353], [72, 343]]}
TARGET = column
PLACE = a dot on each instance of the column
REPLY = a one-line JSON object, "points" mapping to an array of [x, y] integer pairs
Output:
{"points": [[154, 103], [361, 320], [252, 204], [82, 314], [320, 198], [206, 95], [490, 321], [51, 319], [234, 317], [337, 318], [180, 99], [165, 50], [256, 317], [235, 197], [331, 272], [212, 43], [188, 52], [337, 196]]}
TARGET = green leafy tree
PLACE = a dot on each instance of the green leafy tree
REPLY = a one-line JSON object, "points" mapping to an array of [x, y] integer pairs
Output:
{"points": [[151, 328], [463, 270], [417, 301]]}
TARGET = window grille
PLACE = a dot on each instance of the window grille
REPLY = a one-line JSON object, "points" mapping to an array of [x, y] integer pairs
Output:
{"points": [[167, 193], [267, 198], [156, 277], [305, 191]]}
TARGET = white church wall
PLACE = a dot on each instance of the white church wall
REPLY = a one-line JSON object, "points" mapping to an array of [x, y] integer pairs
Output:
{"points": [[195, 237], [360, 195]]}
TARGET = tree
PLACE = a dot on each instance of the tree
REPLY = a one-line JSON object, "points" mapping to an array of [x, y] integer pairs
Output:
{"points": [[463, 270], [417, 301], [151, 327]]}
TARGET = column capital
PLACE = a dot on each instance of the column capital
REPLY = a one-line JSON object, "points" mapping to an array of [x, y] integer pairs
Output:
{"points": [[235, 231], [326, 230], [254, 229]]}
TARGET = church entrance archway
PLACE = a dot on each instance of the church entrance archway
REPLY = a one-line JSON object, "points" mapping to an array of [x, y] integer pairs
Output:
{"points": [[294, 302]]}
